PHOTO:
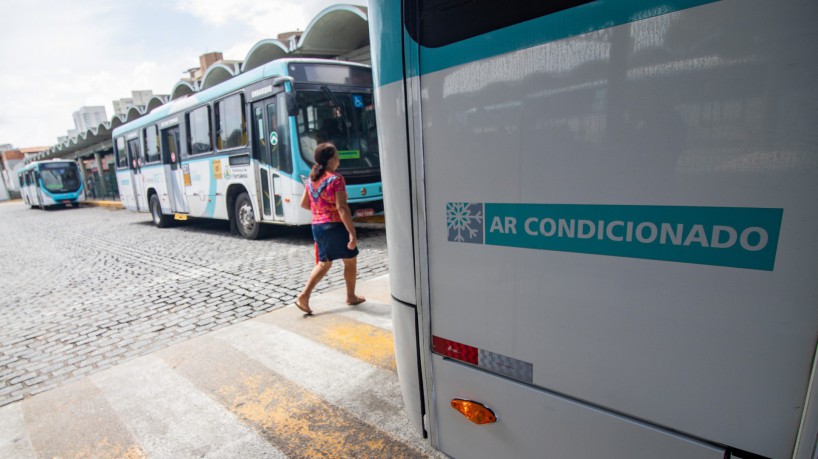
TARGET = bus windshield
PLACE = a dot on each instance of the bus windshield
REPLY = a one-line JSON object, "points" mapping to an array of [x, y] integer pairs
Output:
{"points": [[60, 177], [345, 118]]}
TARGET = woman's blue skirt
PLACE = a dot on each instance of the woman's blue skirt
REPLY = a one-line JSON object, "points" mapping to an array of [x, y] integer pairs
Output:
{"points": [[331, 241]]}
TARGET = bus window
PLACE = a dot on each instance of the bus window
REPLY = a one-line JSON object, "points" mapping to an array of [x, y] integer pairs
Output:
{"points": [[341, 118], [60, 178], [230, 123], [198, 131], [134, 152], [275, 150], [151, 144], [121, 154], [280, 125], [259, 140]]}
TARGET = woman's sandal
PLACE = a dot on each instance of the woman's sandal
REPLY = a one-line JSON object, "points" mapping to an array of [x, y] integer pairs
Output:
{"points": [[306, 310], [357, 301]]}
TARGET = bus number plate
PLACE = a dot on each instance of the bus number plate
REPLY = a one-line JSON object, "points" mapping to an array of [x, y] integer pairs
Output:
{"points": [[364, 212]]}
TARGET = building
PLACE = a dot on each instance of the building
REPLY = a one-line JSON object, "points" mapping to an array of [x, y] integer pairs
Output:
{"points": [[89, 117], [11, 161], [138, 99]]}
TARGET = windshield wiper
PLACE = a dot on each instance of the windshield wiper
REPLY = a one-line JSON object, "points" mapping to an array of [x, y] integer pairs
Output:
{"points": [[339, 106]]}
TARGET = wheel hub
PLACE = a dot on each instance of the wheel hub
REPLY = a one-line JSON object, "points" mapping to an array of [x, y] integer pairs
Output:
{"points": [[246, 217]]}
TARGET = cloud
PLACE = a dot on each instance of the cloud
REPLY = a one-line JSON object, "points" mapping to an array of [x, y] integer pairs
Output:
{"points": [[268, 19], [58, 56]]}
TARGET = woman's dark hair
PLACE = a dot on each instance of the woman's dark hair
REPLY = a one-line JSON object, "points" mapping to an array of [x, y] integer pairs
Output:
{"points": [[323, 153]]}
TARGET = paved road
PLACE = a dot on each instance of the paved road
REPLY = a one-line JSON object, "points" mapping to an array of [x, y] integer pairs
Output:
{"points": [[84, 289], [281, 385]]}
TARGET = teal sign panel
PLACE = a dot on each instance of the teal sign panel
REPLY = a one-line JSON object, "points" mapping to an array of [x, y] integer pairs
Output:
{"points": [[738, 237]]}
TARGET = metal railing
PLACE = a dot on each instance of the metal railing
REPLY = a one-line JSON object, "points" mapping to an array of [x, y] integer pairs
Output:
{"points": [[102, 188]]}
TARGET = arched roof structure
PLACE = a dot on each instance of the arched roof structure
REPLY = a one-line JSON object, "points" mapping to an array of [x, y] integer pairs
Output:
{"points": [[155, 101], [182, 88], [264, 52], [335, 31], [218, 73], [132, 114]]}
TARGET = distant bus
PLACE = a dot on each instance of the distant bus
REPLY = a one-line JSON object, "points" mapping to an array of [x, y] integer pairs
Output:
{"points": [[242, 150], [602, 227], [51, 183]]}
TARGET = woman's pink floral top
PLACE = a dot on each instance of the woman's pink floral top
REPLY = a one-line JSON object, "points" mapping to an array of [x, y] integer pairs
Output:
{"points": [[322, 197]]}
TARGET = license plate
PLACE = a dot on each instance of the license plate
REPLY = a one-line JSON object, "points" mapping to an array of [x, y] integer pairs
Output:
{"points": [[364, 212]]}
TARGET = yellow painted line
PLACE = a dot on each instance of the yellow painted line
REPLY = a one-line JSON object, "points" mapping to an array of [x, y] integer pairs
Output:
{"points": [[296, 421], [76, 421], [362, 341], [113, 204], [371, 344]]}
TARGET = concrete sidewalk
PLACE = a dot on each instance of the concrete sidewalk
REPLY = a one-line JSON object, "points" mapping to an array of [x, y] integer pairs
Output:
{"points": [[280, 385]]}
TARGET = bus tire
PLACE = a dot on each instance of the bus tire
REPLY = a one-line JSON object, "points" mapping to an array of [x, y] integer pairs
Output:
{"points": [[159, 219], [245, 217]]}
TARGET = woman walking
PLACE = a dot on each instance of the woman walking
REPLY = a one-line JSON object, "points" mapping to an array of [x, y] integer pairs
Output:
{"points": [[332, 229]]}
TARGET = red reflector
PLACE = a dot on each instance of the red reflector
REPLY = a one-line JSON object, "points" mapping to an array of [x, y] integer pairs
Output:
{"points": [[454, 350]]}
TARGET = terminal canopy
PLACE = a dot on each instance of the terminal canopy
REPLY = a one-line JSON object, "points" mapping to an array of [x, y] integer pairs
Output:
{"points": [[263, 52], [336, 31]]}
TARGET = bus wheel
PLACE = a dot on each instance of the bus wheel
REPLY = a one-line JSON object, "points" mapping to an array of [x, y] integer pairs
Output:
{"points": [[159, 219], [245, 218]]}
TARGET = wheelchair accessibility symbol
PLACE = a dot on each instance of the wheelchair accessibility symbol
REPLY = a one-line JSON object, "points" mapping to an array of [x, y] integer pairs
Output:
{"points": [[358, 101]]}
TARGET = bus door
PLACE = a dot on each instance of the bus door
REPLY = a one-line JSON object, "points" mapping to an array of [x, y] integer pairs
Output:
{"points": [[135, 164], [172, 160], [38, 189], [266, 149]]}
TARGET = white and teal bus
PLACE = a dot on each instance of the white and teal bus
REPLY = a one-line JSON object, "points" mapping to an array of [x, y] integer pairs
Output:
{"points": [[53, 183], [602, 235], [241, 150]]}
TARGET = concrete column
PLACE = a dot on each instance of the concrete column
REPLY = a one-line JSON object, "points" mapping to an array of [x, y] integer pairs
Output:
{"points": [[103, 191], [81, 164]]}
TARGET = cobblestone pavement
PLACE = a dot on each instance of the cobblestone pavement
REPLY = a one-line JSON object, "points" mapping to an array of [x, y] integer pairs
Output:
{"points": [[84, 289]]}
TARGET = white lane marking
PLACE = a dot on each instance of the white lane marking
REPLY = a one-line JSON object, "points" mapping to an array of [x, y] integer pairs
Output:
{"points": [[170, 417], [369, 393], [14, 439]]}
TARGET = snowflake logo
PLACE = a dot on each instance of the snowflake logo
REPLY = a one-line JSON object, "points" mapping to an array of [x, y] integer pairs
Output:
{"points": [[465, 222]]}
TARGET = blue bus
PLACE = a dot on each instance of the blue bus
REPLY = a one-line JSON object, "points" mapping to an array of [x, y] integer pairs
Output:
{"points": [[242, 150], [47, 184]]}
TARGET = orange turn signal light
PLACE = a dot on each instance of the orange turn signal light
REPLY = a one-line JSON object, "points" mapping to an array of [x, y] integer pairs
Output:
{"points": [[474, 411]]}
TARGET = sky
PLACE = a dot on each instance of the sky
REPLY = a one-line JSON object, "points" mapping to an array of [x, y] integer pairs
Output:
{"points": [[57, 56]]}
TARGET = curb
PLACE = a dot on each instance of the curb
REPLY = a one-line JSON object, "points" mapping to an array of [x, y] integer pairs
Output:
{"points": [[111, 204]]}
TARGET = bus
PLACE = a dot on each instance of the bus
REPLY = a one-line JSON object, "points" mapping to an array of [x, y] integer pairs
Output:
{"points": [[47, 184], [242, 150], [602, 239]]}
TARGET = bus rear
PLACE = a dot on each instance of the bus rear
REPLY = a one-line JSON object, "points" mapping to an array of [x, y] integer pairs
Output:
{"points": [[600, 222]]}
